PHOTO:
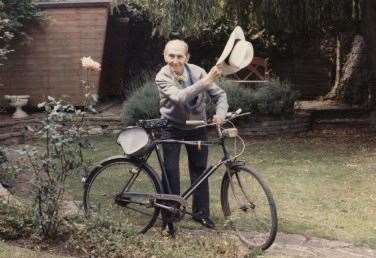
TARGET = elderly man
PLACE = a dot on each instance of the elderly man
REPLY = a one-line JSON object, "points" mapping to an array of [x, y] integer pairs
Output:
{"points": [[182, 89]]}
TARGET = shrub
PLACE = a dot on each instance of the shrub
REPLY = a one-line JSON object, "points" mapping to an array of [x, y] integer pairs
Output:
{"points": [[237, 96], [14, 15], [63, 158], [15, 222], [4, 175], [273, 98], [7, 169], [142, 104]]}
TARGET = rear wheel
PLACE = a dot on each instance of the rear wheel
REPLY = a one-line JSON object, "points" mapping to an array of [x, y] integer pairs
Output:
{"points": [[249, 207], [106, 184]]}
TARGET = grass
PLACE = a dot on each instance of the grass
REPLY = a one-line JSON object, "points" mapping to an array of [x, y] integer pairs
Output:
{"points": [[324, 187], [7, 251]]}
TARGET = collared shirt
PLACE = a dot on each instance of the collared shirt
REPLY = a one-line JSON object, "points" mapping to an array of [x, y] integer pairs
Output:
{"points": [[186, 81], [178, 102]]}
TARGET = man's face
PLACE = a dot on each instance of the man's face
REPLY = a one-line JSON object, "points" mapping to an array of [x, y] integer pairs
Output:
{"points": [[175, 56]]}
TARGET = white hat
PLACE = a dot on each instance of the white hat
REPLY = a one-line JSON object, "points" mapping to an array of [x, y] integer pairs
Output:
{"points": [[237, 54]]}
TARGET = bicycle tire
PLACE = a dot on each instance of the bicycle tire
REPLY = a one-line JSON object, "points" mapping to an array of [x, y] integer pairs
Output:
{"points": [[240, 211], [106, 180]]}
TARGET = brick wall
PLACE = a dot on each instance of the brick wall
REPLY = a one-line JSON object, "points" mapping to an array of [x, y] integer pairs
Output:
{"points": [[49, 65]]}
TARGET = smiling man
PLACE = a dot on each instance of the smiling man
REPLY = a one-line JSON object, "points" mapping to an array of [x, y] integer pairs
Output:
{"points": [[183, 88]]}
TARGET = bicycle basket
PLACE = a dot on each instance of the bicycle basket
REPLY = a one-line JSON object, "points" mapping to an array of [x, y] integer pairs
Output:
{"points": [[134, 141]]}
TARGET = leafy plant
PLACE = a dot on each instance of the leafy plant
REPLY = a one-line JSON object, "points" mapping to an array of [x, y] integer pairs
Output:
{"points": [[237, 95], [63, 135], [14, 15], [88, 84], [101, 237], [273, 98], [172, 17], [62, 158], [143, 104], [8, 171], [15, 221]]}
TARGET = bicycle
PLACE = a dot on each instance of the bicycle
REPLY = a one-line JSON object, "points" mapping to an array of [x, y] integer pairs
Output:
{"points": [[128, 185]]}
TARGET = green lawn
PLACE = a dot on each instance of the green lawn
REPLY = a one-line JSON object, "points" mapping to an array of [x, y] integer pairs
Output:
{"points": [[10, 251], [323, 186]]}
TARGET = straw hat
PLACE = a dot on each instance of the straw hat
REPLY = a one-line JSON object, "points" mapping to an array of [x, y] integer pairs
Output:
{"points": [[237, 54]]}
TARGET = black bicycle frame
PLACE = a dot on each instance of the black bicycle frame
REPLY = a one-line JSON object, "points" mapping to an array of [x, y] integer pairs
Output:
{"points": [[207, 172]]}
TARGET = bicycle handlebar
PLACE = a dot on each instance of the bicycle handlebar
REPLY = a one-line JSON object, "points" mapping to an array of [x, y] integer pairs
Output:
{"points": [[230, 116], [195, 122], [222, 133]]}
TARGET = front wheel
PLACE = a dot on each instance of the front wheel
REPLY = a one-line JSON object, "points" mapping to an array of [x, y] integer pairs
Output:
{"points": [[106, 184], [249, 207]]}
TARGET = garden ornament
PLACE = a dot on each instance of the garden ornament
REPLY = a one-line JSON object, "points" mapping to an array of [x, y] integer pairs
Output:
{"points": [[237, 54], [18, 101]]}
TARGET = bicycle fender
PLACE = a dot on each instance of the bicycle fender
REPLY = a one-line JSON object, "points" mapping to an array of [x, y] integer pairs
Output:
{"points": [[111, 159], [232, 166], [236, 164], [106, 161]]}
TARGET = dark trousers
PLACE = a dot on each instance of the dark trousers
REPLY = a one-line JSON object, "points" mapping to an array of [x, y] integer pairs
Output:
{"points": [[197, 160]]}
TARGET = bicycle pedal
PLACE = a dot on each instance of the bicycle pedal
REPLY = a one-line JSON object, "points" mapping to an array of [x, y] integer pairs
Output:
{"points": [[245, 207]]}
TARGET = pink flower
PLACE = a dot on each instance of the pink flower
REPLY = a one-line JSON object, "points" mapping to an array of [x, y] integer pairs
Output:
{"points": [[89, 64]]}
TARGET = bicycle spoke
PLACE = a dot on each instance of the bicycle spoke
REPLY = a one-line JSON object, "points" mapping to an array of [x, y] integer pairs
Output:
{"points": [[241, 188], [103, 194], [249, 208]]}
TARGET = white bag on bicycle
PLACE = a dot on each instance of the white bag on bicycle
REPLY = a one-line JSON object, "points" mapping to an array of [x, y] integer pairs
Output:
{"points": [[134, 141]]}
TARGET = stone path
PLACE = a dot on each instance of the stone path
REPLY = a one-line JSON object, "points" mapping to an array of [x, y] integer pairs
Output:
{"points": [[291, 245], [296, 246]]}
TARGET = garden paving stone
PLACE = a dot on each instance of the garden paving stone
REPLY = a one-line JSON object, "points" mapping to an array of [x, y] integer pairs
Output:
{"points": [[291, 245], [294, 245]]}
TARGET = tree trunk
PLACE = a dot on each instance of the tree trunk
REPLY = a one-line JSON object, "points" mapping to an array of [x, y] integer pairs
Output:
{"points": [[369, 27], [351, 68], [332, 93]]}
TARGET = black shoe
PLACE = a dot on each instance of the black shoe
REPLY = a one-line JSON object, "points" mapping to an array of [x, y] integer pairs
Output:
{"points": [[206, 222]]}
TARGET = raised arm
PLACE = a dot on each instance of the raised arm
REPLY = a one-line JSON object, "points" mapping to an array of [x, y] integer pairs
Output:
{"points": [[220, 98], [168, 87]]}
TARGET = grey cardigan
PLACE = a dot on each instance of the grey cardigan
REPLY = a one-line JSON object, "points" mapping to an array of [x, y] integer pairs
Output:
{"points": [[179, 103]]}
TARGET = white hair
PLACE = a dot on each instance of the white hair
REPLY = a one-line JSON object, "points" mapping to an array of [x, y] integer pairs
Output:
{"points": [[177, 42]]}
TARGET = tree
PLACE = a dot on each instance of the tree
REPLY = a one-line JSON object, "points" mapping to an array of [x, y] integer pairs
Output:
{"points": [[14, 15], [335, 27], [327, 23], [178, 17]]}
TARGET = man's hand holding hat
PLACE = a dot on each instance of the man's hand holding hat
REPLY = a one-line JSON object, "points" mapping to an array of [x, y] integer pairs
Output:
{"points": [[214, 73], [237, 54]]}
